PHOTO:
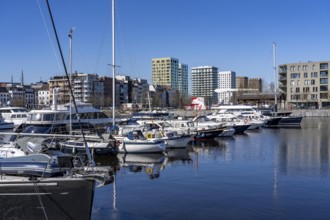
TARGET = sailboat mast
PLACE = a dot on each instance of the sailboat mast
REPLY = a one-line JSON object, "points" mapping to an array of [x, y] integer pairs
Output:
{"points": [[70, 63], [275, 84], [113, 63]]}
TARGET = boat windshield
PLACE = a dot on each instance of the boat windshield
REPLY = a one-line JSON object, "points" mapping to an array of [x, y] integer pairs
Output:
{"points": [[202, 119]]}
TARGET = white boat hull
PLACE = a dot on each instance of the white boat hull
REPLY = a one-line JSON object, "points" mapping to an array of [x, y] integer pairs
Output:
{"points": [[141, 146], [177, 142]]}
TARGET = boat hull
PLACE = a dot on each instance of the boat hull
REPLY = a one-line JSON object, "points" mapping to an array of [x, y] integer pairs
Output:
{"points": [[6, 126], [240, 129], [54, 198], [177, 142], [137, 146], [272, 122], [290, 122]]}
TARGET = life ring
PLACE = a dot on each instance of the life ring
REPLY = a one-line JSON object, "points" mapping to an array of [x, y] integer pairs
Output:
{"points": [[245, 120], [149, 135], [149, 170]]}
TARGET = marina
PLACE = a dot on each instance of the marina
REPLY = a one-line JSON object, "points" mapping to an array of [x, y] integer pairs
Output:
{"points": [[206, 145], [271, 173]]}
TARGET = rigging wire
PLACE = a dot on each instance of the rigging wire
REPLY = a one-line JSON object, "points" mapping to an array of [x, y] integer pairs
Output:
{"points": [[50, 39], [89, 156], [102, 44]]}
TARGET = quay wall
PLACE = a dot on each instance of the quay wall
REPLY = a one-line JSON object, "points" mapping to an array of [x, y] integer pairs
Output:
{"points": [[302, 112], [184, 113]]}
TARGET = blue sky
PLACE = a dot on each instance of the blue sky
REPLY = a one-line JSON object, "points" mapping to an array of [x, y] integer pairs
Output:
{"points": [[232, 35]]}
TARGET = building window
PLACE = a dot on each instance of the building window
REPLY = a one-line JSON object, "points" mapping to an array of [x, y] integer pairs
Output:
{"points": [[305, 75], [323, 73], [323, 66], [324, 81], [304, 67], [295, 75], [323, 95], [313, 74], [323, 88]]}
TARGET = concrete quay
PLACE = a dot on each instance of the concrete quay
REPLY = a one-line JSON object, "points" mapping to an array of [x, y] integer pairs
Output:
{"points": [[184, 113]]}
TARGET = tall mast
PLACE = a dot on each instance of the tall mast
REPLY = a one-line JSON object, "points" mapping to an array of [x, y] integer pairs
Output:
{"points": [[275, 84], [70, 63], [113, 63]]}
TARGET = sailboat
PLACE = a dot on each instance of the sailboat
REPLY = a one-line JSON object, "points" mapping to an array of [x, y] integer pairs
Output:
{"points": [[49, 185], [280, 120]]}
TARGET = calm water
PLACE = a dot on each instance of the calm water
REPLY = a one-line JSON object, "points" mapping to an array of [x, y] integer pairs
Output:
{"points": [[265, 174]]}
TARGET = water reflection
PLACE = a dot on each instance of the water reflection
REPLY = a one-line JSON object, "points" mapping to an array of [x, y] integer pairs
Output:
{"points": [[305, 152], [150, 163], [180, 155], [211, 148]]}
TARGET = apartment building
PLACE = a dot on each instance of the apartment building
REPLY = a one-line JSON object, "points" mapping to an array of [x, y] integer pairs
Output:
{"points": [[183, 80], [242, 82], [86, 88], [226, 80], [306, 85], [255, 84], [165, 71], [204, 80]]}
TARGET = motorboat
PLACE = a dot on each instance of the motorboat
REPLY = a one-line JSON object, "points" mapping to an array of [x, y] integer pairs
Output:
{"points": [[290, 121], [204, 121], [173, 137], [63, 119], [132, 140], [198, 131], [256, 120], [16, 115], [5, 125], [240, 125]]}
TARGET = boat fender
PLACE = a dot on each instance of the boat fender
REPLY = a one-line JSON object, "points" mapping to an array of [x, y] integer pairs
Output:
{"points": [[149, 170], [245, 120]]}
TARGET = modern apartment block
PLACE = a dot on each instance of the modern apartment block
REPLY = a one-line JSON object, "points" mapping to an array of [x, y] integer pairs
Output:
{"points": [[255, 84], [204, 80], [226, 80], [306, 85], [165, 71], [183, 80], [242, 82], [86, 88]]}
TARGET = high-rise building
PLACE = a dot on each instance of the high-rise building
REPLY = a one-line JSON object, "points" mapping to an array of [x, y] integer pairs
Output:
{"points": [[242, 82], [204, 80], [183, 80], [226, 80], [165, 72], [305, 85]]}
